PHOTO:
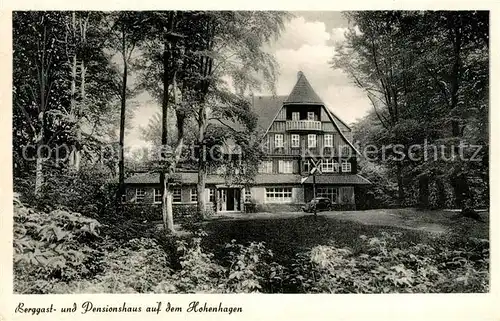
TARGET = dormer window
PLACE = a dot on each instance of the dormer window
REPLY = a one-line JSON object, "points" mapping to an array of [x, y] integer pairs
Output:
{"points": [[310, 115]]}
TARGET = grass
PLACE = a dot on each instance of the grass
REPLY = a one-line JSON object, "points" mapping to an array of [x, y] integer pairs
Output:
{"points": [[288, 236]]}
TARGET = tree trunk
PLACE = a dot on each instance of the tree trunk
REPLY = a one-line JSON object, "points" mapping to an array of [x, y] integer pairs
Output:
{"points": [[165, 209], [121, 161], [78, 151], [39, 167], [167, 213], [441, 191], [72, 157], [401, 193], [166, 204], [423, 189], [201, 204]]}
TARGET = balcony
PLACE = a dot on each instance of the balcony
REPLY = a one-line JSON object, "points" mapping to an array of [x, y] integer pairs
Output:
{"points": [[303, 125]]}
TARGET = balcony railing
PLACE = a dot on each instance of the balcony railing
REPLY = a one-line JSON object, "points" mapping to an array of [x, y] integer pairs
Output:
{"points": [[303, 125]]}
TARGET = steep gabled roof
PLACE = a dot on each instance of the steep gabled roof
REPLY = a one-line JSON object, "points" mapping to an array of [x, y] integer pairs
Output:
{"points": [[303, 93], [266, 108]]}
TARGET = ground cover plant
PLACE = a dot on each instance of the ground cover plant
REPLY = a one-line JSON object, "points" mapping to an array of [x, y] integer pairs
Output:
{"points": [[64, 252]]}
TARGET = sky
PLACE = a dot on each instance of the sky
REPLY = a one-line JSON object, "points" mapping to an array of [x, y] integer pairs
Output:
{"points": [[307, 45]]}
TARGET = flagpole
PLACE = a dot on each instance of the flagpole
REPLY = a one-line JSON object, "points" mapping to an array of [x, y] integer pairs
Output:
{"points": [[314, 192]]}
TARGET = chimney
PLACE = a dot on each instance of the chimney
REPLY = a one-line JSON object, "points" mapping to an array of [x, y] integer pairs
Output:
{"points": [[299, 74]]}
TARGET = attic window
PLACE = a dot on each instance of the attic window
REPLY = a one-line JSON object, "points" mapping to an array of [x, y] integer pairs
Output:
{"points": [[295, 116], [310, 115]]}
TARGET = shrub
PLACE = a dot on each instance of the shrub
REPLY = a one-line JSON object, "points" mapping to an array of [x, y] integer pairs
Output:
{"points": [[385, 267], [136, 267], [52, 246], [248, 266], [248, 269], [184, 211], [89, 190]]}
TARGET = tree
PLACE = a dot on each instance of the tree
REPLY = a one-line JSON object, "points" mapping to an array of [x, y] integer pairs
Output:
{"points": [[230, 44], [39, 86], [128, 30], [207, 47], [418, 69]]}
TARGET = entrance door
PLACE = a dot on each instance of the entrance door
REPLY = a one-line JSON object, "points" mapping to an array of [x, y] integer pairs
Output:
{"points": [[230, 199]]}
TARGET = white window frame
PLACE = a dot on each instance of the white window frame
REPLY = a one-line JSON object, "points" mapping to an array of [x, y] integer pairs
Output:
{"points": [[194, 196], [295, 140], [328, 140], [295, 115], [346, 166], [311, 115], [211, 195], [140, 195], [312, 141], [266, 167], [279, 195], [279, 141], [330, 192], [329, 166], [285, 166], [176, 192], [156, 193]]}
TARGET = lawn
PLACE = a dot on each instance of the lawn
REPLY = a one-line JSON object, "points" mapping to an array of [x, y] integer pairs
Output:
{"points": [[289, 233]]}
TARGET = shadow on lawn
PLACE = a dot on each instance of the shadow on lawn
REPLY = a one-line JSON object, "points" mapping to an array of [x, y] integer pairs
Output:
{"points": [[287, 237]]}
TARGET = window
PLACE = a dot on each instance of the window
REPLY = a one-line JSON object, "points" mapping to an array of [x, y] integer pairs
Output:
{"points": [[157, 195], [140, 193], [295, 116], [346, 167], [310, 115], [330, 192], [278, 140], [345, 150], [176, 195], [248, 195], [266, 167], [295, 140], [279, 195], [328, 140], [311, 140], [307, 166], [194, 195], [329, 166], [211, 195], [285, 166]]}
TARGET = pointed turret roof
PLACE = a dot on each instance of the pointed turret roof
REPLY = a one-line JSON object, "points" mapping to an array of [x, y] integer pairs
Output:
{"points": [[303, 93]]}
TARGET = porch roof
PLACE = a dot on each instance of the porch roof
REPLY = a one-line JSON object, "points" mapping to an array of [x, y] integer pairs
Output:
{"points": [[189, 178]]}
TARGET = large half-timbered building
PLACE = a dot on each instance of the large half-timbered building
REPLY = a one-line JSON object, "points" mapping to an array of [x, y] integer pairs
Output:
{"points": [[300, 133]]}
